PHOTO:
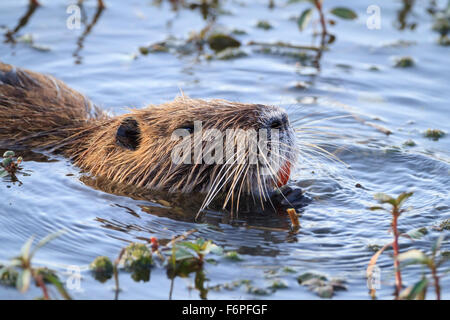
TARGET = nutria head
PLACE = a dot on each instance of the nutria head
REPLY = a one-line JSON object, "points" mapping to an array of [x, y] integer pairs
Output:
{"points": [[188, 145], [192, 145]]}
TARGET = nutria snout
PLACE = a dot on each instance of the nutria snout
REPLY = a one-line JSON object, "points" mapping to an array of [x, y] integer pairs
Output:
{"points": [[187, 145]]}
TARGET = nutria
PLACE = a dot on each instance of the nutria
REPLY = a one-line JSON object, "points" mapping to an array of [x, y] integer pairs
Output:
{"points": [[40, 112]]}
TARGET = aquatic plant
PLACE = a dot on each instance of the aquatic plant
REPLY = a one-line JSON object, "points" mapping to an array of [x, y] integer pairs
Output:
{"points": [[396, 210], [8, 166], [320, 284], [263, 24], [434, 134], [340, 12], [21, 270], [102, 268], [404, 62], [137, 259], [432, 262]]}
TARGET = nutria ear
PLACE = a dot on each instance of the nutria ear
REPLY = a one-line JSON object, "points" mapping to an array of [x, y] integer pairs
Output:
{"points": [[128, 134]]}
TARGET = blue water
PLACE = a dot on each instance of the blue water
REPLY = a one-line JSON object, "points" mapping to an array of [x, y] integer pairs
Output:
{"points": [[336, 227]]}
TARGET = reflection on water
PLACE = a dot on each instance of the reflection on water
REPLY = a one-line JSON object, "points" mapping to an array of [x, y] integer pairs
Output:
{"points": [[356, 77], [87, 30], [9, 35]]}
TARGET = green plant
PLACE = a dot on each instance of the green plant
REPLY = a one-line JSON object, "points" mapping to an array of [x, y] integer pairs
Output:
{"points": [[340, 12], [396, 210], [432, 262], [41, 276]]}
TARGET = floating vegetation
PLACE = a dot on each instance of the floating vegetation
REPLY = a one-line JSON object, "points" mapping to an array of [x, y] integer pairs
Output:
{"points": [[220, 41], [321, 285], [8, 166], [102, 268], [263, 24], [137, 259], [154, 48], [409, 143], [442, 23], [288, 270], [444, 225], [404, 62], [231, 285], [239, 32], [233, 256], [230, 53], [278, 284], [258, 291], [444, 41], [434, 134]]}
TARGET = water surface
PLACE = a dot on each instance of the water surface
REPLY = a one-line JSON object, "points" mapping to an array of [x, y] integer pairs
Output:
{"points": [[336, 227]]}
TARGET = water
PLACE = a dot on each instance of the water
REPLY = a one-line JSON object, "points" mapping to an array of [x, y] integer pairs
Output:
{"points": [[336, 227]]}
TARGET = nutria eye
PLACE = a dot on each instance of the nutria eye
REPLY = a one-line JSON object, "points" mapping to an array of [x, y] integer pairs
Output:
{"points": [[128, 134], [189, 127]]}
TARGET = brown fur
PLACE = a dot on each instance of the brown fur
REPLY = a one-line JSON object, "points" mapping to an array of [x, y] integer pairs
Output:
{"points": [[39, 111]]}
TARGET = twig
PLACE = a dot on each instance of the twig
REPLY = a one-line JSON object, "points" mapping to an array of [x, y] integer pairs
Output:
{"points": [[284, 45], [181, 237]]}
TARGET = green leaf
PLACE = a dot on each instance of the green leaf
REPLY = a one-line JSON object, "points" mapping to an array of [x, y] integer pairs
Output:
{"points": [[193, 246], [344, 13], [413, 256], [377, 208], [417, 233], [418, 290], [23, 281], [181, 253], [215, 249], [304, 19], [437, 244], [59, 286], [403, 197], [25, 251], [384, 198], [46, 240]]}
